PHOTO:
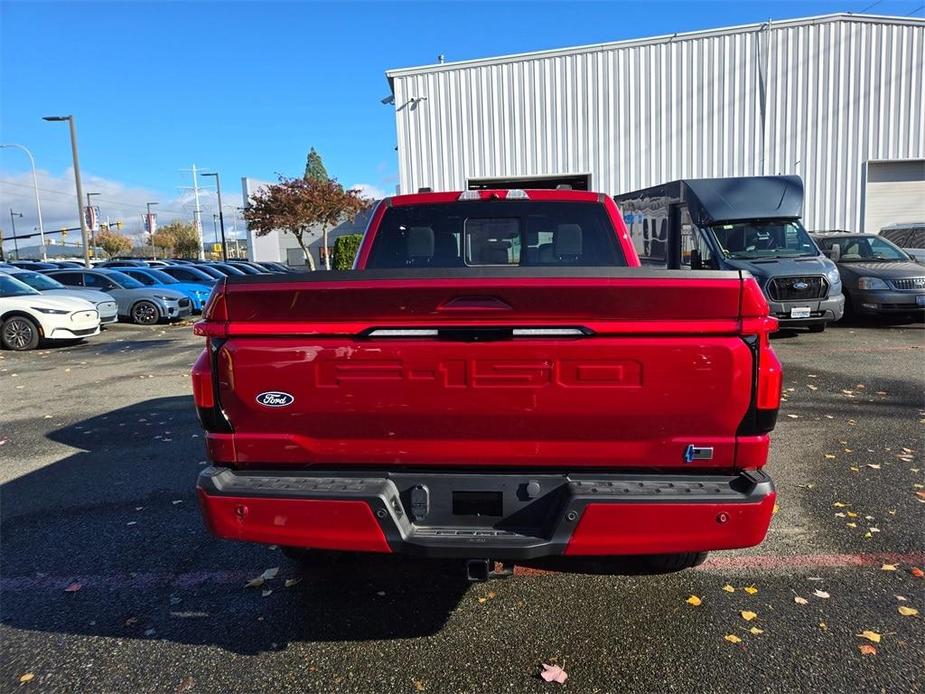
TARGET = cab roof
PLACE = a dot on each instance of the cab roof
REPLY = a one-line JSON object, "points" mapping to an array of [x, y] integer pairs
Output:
{"points": [[543, 195]]}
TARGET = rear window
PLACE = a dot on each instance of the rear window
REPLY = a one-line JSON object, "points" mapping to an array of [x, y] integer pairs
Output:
{"points": [[492, 233]]}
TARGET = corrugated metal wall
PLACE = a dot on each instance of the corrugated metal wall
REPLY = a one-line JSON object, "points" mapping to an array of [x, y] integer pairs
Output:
{"points": [[839, 91]]}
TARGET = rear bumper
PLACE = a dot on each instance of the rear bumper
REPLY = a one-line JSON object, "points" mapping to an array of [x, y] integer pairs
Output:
{"points": [[536, 515]]}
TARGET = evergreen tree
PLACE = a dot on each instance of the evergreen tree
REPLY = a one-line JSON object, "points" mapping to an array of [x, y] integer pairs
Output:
{"points": [[314, 167]]}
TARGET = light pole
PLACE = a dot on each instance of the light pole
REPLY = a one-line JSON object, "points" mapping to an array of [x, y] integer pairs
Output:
{"points": [[35, 188], [92, 226], [84, 235], [13, 216], [221, 217], [149, 225]]}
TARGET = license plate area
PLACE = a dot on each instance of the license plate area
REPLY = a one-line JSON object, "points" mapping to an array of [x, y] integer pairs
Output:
{"points": [[478, 503], [800, 312]]}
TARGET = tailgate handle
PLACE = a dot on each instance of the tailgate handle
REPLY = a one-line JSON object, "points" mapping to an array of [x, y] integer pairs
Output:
{"points": [[475, 303]]}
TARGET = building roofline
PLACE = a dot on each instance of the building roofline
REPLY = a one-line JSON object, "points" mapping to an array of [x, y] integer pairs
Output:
{"points": [[649, 40]]}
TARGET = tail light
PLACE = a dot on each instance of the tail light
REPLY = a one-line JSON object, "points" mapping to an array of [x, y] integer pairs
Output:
{"points": [[205, 391], [767, 374]]}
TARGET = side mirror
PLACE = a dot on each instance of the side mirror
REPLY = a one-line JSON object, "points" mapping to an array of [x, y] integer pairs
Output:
{"points": [[833, 253]]}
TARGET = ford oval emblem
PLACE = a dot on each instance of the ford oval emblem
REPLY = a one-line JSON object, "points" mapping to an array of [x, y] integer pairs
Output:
{"points": [[275, 398], [800, 286]]}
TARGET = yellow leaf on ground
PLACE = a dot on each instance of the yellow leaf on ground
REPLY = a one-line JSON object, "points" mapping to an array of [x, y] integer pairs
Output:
{"points": [[756, 630], [830, 456], [732, 638], [28, 677], [907, 611], [851, 514], [870, 635], [748, 615], [775, 509], [839, 504], [800, 601], [852, 525], [751, 590], [867, 649], [823, 626], [729, 589], [694, 600]]}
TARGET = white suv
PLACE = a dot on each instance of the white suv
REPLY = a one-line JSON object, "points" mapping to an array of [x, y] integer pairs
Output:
{"points": [[27, 317]]}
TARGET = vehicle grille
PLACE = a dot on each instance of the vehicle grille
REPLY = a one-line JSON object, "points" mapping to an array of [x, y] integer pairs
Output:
{"points": [[183, 302], [909, 283], [797, 288], [85, 331]]}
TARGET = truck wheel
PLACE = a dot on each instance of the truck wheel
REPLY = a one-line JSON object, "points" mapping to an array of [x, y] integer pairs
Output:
{"points": [[145, 313], [676, 562], [19, 333], [817, 327]]}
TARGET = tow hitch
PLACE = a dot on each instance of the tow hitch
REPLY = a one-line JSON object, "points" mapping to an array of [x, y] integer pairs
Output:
{"points": [[478, 570]]}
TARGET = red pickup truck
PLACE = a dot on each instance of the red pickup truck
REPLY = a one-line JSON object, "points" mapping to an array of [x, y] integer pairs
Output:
{"points": [[497, 379]]}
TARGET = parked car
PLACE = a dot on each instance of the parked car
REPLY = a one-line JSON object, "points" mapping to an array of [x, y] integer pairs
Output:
{"points": [[27, 317], [137, 303], [191, 274], [273, 266], [878, 277], [227, 269], [908, 236], [123, 262], [256, 267], [64, 264], [153, 277], [508, 383], [105, 305], [749, 223], [33, 265]]}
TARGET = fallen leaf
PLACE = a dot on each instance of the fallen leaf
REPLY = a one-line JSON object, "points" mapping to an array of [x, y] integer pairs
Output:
{"points": [[553, 673], [852, 514], [694, 600], [732, 638], [728, 588], [28, 677], [255, 582], [823, 626], [917, 572], [775, 509], [751, 590], [852, 525], [869, 635], [800, 601], [907, 611], [483, 600], [867, 649], [131, 621], [186, 684], [840, 515], [874, 530], [270, 573], [266, 592], [73, 588], [756, 630], [419, 685], [873, 466], [839, 504], [748, 615], [292, 581], [793, 416], [830, 456], [821, 594]]}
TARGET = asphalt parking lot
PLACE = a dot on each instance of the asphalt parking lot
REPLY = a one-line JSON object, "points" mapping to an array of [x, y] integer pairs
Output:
{"points": [[110, 582]]}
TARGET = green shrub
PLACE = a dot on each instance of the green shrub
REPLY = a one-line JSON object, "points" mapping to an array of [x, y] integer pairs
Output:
{"points": [[345, 250]]}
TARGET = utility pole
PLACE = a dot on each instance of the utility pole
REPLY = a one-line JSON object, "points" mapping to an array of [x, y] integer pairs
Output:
{"points": [[197, 215], [13, 216], [150, 226], [35, 189], [84, 234], [221, 216]]}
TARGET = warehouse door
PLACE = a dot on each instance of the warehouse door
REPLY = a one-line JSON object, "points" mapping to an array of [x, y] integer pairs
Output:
{"points": [[895, 192], [574, 181]]}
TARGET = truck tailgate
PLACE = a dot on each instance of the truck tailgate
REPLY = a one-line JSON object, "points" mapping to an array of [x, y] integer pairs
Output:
{"points": [[609, 369]]}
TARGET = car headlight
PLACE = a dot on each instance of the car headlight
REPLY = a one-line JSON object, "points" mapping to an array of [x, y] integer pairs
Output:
{"points": [[834, 277], [871, 283], [51, 311]]}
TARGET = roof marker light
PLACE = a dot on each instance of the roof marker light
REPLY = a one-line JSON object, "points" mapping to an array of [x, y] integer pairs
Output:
{"points": [[517, 194], [548, 332], [470, 195], [407, 332]]}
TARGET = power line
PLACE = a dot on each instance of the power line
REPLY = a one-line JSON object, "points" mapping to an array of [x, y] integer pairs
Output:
{"points": [[108, 201], [870, 6]]}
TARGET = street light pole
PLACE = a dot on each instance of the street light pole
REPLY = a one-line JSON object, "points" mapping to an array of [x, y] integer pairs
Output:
{"points": [[221, 216], [149, 224], [35, 189], [92, 226], [84, 234], [13, 216]]}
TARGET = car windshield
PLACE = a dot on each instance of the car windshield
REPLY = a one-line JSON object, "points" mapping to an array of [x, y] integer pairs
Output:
{"points": [[866, 249], [161, 277], [123, 280], [10, 286], [764, 239], [38, 281]]}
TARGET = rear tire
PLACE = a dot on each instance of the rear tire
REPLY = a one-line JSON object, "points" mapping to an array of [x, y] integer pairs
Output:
{"points": [[817, 328], [20, 333], [676, 562], [145, 313]]}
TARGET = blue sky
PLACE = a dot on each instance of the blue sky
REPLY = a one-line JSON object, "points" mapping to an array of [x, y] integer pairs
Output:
{"points": [[246, 88]]}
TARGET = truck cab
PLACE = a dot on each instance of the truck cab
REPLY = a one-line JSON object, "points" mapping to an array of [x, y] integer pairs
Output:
{"points": [[745, 223]]}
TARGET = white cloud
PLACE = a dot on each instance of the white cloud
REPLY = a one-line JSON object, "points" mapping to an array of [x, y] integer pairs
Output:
{"points": [[368, 190], [116, 200]]}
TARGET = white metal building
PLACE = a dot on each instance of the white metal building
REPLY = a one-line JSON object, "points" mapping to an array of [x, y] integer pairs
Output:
{"points": [[836, 99]]}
